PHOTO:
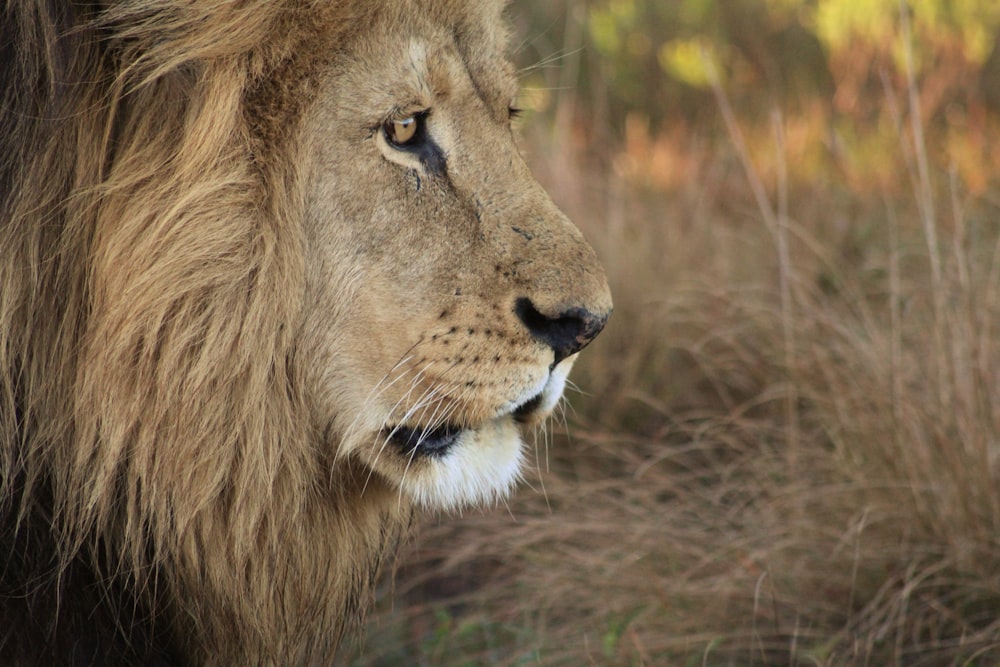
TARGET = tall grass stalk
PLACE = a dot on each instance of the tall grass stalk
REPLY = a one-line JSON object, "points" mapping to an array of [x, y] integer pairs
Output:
{"points": [[777, 224]]}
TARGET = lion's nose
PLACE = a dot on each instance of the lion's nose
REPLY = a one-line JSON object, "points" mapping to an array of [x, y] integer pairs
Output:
{"points": [[567, 332]]}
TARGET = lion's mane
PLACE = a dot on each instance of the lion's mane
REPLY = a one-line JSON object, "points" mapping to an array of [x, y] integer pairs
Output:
{"points": [[151, 269]]}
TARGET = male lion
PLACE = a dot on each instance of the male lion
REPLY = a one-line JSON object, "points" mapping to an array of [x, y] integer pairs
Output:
{"points": [[273, 275]]}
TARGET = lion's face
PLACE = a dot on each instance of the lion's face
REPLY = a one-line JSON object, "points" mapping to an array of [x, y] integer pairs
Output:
{"points": [[447, 295]]}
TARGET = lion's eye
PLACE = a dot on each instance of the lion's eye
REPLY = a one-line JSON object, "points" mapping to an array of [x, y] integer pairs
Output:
{"points": [[403, 132]]}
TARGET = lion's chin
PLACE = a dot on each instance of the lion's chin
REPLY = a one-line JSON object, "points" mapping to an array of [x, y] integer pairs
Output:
{"points": [[475, 466], [481, 466]]}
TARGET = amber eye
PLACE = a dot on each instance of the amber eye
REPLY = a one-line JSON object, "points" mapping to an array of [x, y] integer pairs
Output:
{"points": [[403, 132]]}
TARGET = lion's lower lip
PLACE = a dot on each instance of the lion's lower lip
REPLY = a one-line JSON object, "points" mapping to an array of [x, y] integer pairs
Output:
{"points": [[422, 441]]}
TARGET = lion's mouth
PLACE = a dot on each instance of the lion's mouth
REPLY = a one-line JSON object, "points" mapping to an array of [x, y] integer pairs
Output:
{"points": [[527, 411], [425, 441], [436, 441]]}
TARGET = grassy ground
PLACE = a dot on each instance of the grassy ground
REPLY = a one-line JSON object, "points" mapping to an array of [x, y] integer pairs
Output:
{"points": [[785, 449]]}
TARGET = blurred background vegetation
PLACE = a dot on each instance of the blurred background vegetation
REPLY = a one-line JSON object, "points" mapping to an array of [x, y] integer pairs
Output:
{"points": [[785, 449], [640, 71]]}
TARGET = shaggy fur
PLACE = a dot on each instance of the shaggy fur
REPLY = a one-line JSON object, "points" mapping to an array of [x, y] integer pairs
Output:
{"points": [[217, 314]]}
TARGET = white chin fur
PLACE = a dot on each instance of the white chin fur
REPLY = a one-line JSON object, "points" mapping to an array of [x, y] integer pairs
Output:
{"points": [[484, 465], [481, 468]]}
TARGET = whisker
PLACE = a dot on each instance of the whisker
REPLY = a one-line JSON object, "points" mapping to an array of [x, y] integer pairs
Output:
{"points": [[530, 40], [455, 402], [538, 471], [380, 387], [385, 440], [549, 60], [402, 480], [377, 390]]}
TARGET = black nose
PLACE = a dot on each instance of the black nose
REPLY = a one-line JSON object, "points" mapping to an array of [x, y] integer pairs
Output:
{"points": [[567, 333]]}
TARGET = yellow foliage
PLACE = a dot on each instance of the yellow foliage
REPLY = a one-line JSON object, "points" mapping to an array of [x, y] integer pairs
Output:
{"points": [[689, 60]]}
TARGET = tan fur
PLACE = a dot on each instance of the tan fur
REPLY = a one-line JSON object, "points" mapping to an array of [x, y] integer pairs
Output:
{"points": [[221, 289]]}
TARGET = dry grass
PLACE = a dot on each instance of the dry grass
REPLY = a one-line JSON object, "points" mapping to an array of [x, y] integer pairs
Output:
{"points": [[788, 452]]}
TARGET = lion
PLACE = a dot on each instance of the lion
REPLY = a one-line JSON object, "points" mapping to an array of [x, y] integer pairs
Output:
{"points": [[274, 277]]}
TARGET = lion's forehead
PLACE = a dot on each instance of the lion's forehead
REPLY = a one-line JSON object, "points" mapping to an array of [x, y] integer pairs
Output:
{"points": [[423, 60]]}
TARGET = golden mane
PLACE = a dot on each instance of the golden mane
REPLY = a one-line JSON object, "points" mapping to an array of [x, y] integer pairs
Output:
{"points": [[150, 276], [164, 279]]}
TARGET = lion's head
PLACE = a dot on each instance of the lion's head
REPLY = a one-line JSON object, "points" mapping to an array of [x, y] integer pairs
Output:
{"points": [[273, 273]]}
